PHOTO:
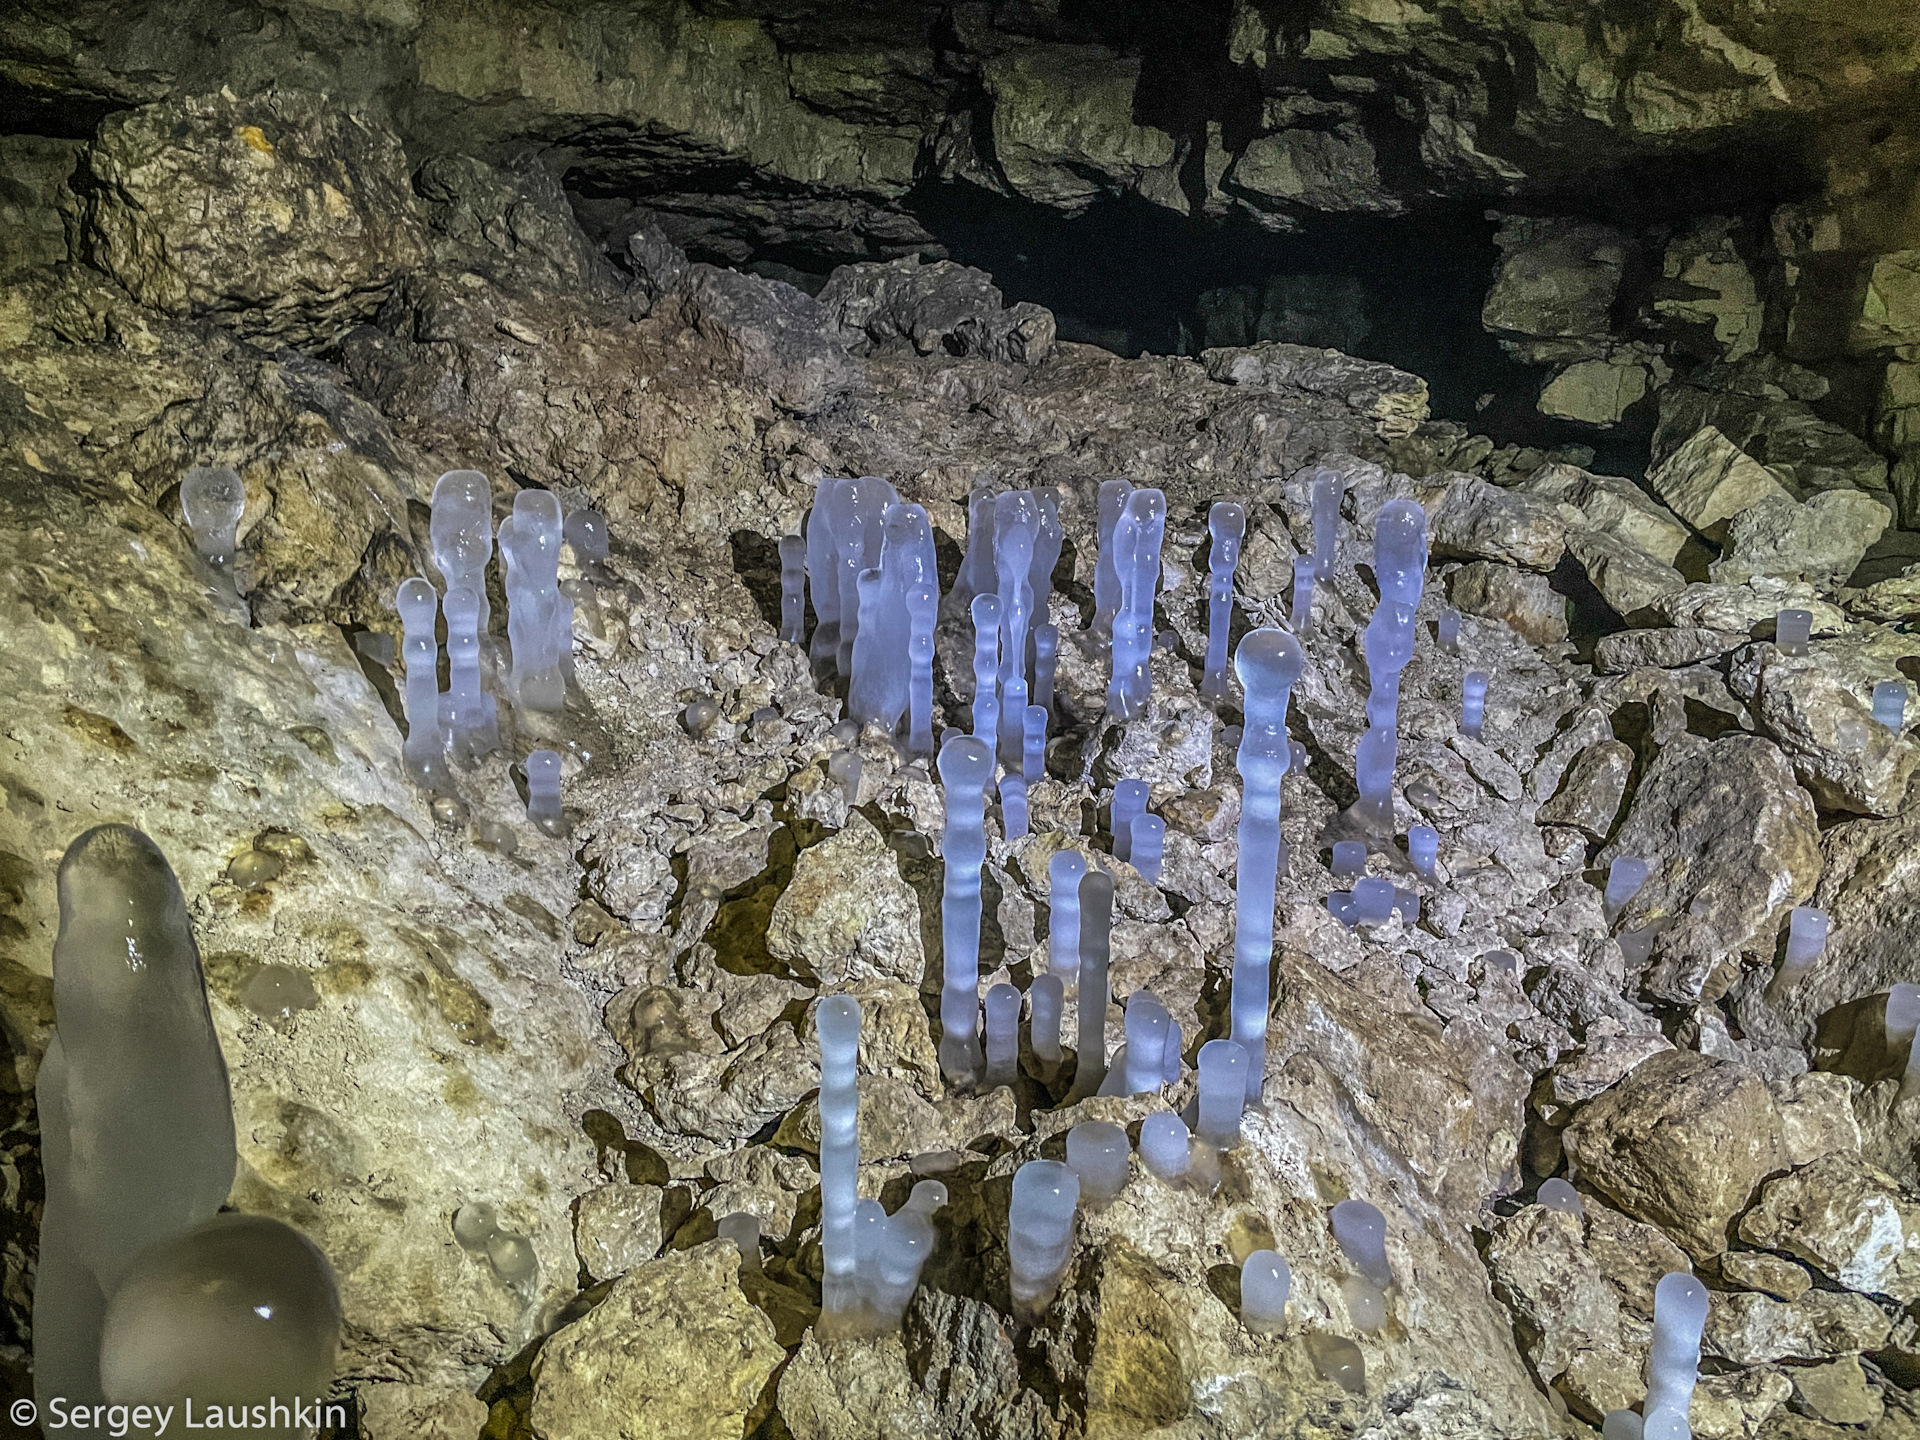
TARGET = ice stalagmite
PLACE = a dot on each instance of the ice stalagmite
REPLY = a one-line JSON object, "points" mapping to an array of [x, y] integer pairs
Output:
{"points": [[1227, 523], [966, 769], [1136, 546], [1106, 574], [1016, 526], [1268, 663], [136, 1118]]}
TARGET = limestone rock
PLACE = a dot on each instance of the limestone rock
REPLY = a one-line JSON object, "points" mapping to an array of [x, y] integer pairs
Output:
{"points": [[1064, 132], [1748, 609], [936, 306], [1837, 1392], [419, 1412], [1668, 648], [1818, 708], [847, 914], [1769, 1274], [1594, 392], [1473, 520], [1527, 602], [1889, 311], [286, 214], [1681, 1143], [616, 1228], [1315, 169], [777, 335], [1628, 579], [1712, 294], [674, 1352], [1820, 542], [1395, 401], [1849, 1220], [1542, 1272], [1817, 1116], [1612, 504], [1553, 289], [1732, 843], [1709, 480], [1589, 798], [1632, 1256], [1751, 1329]]}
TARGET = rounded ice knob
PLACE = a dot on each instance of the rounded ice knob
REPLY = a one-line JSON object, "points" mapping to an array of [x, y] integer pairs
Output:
{"points": [[1097, 1151], [1362, 1232], [1265, 1281], [1165, 1146]]}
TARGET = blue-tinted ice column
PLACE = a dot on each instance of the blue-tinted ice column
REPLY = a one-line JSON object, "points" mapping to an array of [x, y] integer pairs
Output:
{"points": [[977, 574], [837, 1025], [1147, 846], [1129, 802], [877, 693], [966, 769], [1222, 1095], [1064, 873], [823, 567], [1147, 1026], [1013, 805], [425, 749], [1039, 1234], [1136, 556], [1324, 492], [858, 521], [1890, 704], [1227, 523], [923, 607], [1268, 663], [1389, 646], [1016, 526], [1096, 948], [1033, 747], [533, 599], [1003, 1035], [793, 589], [472, 718], [1673, 1366], [986, 668], [1106, 573], [1046, 659], [1625, 876], [1043, 1027], [1473, 703], [543, 792], [1265, 1282], [1047, 542], [460, 531]]}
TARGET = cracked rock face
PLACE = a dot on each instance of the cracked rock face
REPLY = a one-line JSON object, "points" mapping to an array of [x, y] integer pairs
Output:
{"points": [[608, 1037]]}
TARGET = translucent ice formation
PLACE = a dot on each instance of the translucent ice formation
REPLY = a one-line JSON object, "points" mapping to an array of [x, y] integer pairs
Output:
{"points": [[1164, 1146], [1033, 751], [699, 717], [1400, 552], [1227, 524], [966, 769], [1043, 1027], [586, 532], [1673, 1366], [1557, 1194], [1338, 1360], [1039, 1234], [1013, 806], [977, 574], [1890, 704], [1265, 1282], [923, 607], [1106, 573], [1324, 490], [1003, 1035], [1129, 802], [1372, 900], [878, 692], [1136, 557], [836, 1024], [212, 500], [1097, 1152], [1301, 615], [1223, 1093], [1806, 937], [1473, 704], [743, 1230], [461, 533], [793, 589], [857, 513], [1016, 526], [532, 550], [1046, 659], [1268, 663], [1448, 632], [986, 667], [1148, 846], [1625, 876], [823, 577], [1423, 849], [1047, 543], [472, 718], [1622, 1425], [1792, 629], [543, 792], [1064, 872], [1147, 1026], [425, 750], [902, 1247], [1389, 646], [1096, 925], [1361, 1231], [239, 1310], [1349, 859], [136, 1121]]}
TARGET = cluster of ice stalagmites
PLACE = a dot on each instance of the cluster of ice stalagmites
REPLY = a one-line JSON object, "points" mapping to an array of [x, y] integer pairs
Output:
{"points": [[145, 1294]]}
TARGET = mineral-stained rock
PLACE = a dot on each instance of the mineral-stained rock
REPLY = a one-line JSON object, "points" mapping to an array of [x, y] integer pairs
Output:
{"points": [[1064, 130], [1837, 1392], [674, 1352], [1769, 1274], [1553, 290], [1681, 1143], [1590, 795], [1889, 302], [1668, 647], [1709, 480], [1394, 400], [847, 914], [1817, 1116], [1628, 579], [1732, 844], [1749, 609], [1848, 1219], [616, 1228], [1527, 602], [286, 214], [1543, 1273], [1595, 392], [419, 1412], [1750, 1329], [1820, 542], [1819, 708], [1473, 520]]}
